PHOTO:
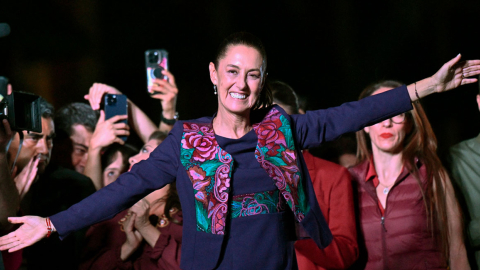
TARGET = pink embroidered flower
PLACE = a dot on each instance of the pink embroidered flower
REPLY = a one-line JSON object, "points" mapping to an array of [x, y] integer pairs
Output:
{"points": [[269, 135], [205, 146]]}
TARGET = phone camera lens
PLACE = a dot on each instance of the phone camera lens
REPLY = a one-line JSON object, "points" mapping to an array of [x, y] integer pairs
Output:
{"points": [[112, 100], [153, 57], [157, 73]]}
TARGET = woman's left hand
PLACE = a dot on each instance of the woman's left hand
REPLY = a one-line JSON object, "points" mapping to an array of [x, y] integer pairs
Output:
{"points": [[142, 211], [454, 73]]}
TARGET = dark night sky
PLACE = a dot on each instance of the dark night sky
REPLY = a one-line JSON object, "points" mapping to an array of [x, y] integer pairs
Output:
{"points": [[327, 51]]}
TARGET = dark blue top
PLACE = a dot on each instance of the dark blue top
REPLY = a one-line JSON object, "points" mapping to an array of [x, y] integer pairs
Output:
{"points": [[261, 241]]}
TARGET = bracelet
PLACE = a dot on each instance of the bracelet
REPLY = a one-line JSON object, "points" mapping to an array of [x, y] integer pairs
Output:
{"points": [[416, 93], [170, 122], [49, 227]]}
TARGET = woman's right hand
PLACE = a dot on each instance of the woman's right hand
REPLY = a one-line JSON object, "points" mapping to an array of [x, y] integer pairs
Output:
{"points": [[31, 231], [108, 131], [134, 238]]}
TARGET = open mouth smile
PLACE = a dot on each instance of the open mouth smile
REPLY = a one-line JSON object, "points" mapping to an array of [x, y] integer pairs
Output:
{"points": [[237, 96]]}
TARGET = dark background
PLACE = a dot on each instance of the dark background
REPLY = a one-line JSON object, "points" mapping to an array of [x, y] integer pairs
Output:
{"points": [[328, 51]]}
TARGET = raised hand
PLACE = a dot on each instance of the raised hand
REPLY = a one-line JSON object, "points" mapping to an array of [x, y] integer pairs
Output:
{"points": [[167, 92], [96, 93], [31, 231], [454, 73], [108, 131], [25, 178]]}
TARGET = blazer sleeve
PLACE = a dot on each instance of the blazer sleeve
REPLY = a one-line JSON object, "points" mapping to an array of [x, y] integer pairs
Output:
{"points": [[146, 176], [319, 126]]}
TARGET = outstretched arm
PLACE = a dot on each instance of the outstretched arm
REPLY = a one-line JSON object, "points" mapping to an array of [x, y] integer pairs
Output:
{"points": [[319, 126], [450, 76], [33, 229]]}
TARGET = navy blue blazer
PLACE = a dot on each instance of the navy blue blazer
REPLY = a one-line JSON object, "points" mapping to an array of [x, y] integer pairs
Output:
{"points": [[202, 250]]}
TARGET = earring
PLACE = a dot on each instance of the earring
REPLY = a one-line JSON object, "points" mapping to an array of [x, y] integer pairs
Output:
{"points": [[163, 222], [214, 89]]}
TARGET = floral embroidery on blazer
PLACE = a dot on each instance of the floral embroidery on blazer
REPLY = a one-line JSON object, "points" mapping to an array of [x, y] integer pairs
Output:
{"points": [[209, 168]]}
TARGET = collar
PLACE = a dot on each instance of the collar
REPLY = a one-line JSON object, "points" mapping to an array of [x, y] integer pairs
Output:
{"points": [[371, 172]]}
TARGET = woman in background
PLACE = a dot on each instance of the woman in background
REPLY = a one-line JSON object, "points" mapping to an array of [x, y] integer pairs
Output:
{"points": [[146, 236], [408, 214], [115, 161]]}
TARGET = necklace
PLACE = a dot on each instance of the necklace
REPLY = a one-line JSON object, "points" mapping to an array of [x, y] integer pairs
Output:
{"points": [[386, 189]]}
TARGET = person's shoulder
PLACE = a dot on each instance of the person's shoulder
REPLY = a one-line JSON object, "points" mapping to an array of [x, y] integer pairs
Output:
{"points": [[324, 165], [179, 126], [470, 147], [464, 145], [359, 171]]}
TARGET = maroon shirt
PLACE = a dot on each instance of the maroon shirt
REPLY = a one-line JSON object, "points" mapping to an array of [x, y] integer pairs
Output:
{"points": [[105, 239], [400, 238]]}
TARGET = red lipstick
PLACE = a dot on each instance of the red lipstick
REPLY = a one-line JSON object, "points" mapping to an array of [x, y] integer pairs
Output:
{"points": [[386, 135]]}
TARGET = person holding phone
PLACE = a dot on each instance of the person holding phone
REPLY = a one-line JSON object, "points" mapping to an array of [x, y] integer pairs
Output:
{"points": [[243, 184], [109, 131]]}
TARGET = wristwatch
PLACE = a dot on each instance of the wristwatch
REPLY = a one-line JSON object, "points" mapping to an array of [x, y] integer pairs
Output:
{"points": [[170, 122]]}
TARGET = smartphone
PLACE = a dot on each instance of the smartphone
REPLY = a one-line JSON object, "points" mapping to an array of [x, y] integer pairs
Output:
{"points": [[155, 62], [116, 105]]}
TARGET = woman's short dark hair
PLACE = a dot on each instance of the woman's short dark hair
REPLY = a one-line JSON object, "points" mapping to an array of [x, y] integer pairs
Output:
{"points": [[284, 96], [249, 40], [76, 113], [158, 135], [108, 157]]}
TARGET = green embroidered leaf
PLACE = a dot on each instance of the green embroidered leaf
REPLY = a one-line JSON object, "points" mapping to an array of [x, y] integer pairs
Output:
{"points": [[185, 156], [277, 161], [264, 149], [210, 167], [285, 122], [202, 217]]}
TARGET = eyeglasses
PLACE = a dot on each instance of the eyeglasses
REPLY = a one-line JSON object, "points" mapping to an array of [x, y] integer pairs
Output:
{"points": [[398, 119]]}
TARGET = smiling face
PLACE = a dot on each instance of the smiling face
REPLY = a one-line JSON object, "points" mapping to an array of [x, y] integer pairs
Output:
{"points": [[388, 136], [239, 79]]}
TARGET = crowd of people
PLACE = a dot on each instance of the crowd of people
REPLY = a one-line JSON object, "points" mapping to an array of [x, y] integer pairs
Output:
{"points": [[240, 190]]}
